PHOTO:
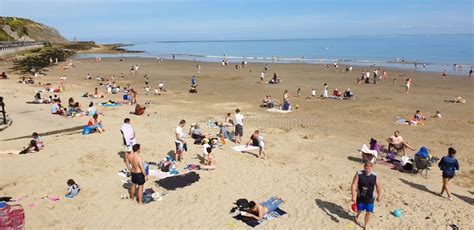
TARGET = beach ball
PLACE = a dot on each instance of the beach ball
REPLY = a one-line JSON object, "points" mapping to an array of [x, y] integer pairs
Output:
{"points": [[397, 213], [297, 106]]}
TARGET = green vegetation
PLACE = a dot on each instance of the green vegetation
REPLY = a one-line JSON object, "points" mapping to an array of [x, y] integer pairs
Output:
{"points": [[41, 59], [26, 29], [4, 36]]}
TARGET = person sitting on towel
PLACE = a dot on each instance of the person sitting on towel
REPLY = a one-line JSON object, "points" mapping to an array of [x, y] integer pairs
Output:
{"points": [[95, 124], [336, 93], [258, 210]]}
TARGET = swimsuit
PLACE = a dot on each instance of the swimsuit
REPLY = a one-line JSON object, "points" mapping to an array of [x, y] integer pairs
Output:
{"points": [[138, 178]]}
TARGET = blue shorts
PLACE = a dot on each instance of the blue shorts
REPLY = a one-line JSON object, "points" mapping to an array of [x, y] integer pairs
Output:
{"points": [[365, 207]]}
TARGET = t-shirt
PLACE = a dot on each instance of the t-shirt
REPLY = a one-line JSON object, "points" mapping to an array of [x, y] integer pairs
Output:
{"points": [[179, 131], [396, 140], [73, 190], [239, 119], [54, 108], [313, 93], [448, 165]]}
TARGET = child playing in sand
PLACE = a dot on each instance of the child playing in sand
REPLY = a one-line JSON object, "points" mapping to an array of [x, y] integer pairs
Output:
{"points": [[73, 189], [437, 115], [35, 145]]}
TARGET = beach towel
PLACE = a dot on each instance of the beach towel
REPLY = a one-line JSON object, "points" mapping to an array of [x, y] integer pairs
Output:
{"points": [[106, 104], [241, 148], [162, 175], [267, 217], [128, 134], [275, 110], [402, 121]]}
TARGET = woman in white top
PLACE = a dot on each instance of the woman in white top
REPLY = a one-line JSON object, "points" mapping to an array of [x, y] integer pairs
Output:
{"points": [[325, 92]]}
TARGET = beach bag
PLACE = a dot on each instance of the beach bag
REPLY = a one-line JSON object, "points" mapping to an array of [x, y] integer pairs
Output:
{"points": [[11, 216], [390, 156], [147, 198]]}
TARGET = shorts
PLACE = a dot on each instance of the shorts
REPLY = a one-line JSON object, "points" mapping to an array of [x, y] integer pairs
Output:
{"points": [[138, 178], [180, 147], [365, 207], [239, 130], [448, 175]]}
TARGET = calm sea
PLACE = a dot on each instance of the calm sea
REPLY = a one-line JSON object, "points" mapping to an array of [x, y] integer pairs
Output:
{"points": [[437, 52]]}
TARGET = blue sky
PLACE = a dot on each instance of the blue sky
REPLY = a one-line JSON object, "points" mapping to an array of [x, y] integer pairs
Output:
{"points": [[132, 20]]}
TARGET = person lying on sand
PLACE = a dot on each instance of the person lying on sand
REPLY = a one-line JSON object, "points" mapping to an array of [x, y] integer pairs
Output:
{"points": [[258, 210], [459, 99]]}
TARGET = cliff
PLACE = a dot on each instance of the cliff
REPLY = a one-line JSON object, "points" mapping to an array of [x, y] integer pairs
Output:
{"points": [[21, 29]]}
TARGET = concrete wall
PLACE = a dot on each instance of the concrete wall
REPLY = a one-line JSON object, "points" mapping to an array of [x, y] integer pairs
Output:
{"points": [[10, 49]]}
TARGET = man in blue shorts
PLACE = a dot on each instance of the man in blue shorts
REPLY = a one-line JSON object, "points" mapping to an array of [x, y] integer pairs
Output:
{"points": [[363, 186]]}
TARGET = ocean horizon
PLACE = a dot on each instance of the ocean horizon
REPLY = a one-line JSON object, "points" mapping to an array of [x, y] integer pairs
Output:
{"points": [[430, 52]]}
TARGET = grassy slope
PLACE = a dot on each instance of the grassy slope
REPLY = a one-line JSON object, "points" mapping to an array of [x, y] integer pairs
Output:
{"points": [[26, 27]]}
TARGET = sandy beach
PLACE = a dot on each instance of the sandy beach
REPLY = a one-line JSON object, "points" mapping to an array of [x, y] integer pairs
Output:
{"points": [[312, 151]]}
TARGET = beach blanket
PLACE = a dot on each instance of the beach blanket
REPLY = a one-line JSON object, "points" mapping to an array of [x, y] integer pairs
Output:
{"points": [[241, 148], [402, 121], [162, 175], [267, 217], [275, 110], [109, 104]]}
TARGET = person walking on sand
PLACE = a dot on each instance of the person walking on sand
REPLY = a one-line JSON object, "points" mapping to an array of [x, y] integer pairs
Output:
{"points": [[138, 174], [262, 76], [407, 85], [448, 164], [445, 73], [180, 142], [128, 135], [362, 189], [239, 126]]}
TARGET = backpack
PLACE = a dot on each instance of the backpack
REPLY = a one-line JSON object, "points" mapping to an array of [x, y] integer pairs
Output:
{"points": [[242, 204]]}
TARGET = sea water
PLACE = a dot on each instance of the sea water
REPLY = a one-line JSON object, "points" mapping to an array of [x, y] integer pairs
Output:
{"points": [[425, 52]]}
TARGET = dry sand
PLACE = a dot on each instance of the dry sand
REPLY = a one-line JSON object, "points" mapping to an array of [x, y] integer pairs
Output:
{"points": [[312, 152]]}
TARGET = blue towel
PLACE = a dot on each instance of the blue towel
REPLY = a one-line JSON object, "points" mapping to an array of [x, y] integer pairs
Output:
{"points": [[267, 217]]}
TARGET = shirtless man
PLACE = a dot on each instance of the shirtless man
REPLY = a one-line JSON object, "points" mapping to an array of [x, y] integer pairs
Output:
{"points": [[210, 160], [258, 210], [396, 141], [135, 166]]}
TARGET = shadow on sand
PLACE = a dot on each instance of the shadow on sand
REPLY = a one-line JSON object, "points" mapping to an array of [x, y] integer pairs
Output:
{"points": [[466, 199], [59, 131], [333, 210], [418, 186], [178, 181]]}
